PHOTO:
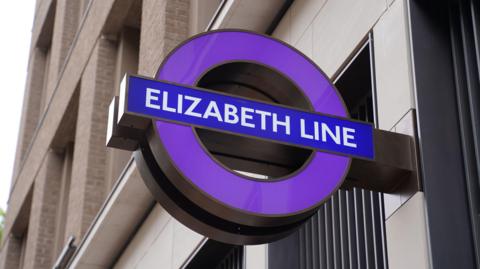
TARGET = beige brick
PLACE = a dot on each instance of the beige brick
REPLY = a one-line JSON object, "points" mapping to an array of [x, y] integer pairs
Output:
{"points": [[42, 225], [88, 186], [67, 83], [91, 72], [38, 88], [31, 105], [65, 27], [164, 25], [11, 253]]}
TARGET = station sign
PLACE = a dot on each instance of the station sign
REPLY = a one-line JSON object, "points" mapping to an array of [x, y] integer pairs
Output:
{"points": [[161, 100], [159, 119]]}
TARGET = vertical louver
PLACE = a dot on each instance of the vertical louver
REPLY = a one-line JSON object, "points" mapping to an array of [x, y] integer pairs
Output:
{"points": [[347, 232]]}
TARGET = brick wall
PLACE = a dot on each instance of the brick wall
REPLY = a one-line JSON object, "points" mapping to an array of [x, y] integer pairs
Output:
{"points": [[42, 225], [69, 75], [32, 103], [88, 186], [11, 252], [65, 27], [164, 25]]}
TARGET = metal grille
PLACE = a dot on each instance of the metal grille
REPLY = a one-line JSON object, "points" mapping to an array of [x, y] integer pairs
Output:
{"points": [[233, 260], [347, 232]]}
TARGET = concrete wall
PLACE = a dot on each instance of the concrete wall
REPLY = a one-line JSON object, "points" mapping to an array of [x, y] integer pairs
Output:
{"points": [[319, 29], [161, 242]]}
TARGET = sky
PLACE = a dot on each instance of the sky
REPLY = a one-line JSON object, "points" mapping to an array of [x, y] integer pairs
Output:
{"points": [[16, 19]]}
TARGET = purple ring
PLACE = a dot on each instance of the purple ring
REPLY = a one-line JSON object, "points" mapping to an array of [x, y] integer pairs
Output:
{"points": [[297, 193]]}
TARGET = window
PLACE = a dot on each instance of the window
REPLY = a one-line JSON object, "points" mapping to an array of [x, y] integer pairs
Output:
{"points": [[356, 85]]}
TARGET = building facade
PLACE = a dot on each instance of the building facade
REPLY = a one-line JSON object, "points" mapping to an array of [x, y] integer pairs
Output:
{"points": [[407, 66]]}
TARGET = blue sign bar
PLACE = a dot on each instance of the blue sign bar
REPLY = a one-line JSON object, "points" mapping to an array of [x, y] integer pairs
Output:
{"points": [[205, 108]]}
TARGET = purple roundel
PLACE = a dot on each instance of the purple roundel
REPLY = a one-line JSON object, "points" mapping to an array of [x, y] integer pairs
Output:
{"points": [[297, 193]]}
